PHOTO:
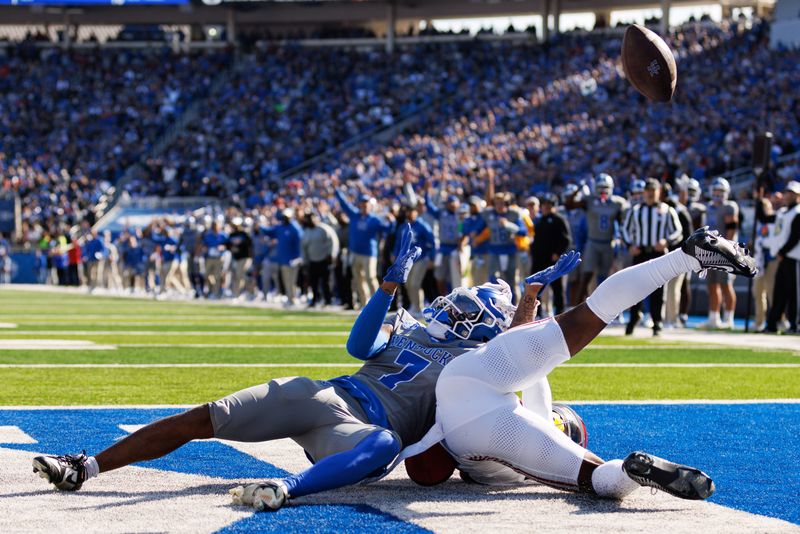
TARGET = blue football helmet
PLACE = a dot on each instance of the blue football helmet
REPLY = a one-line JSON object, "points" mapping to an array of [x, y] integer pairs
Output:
{"points": [[475, 313]]}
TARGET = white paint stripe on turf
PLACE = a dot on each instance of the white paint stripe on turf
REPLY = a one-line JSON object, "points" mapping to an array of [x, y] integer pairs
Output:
{"points": [[323, 365], [51, 344], [13, 434], [8, 325]]}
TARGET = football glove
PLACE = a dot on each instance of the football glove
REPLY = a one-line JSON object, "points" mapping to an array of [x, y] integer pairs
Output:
{"points": [[565, 265], [407, 255]]}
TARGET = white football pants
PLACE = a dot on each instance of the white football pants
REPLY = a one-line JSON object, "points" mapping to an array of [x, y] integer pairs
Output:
{"points": [[494, 437]]}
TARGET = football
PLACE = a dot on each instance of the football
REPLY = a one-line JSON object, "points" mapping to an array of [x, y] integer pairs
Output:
{"points": [[430, 467], [649, 64]]}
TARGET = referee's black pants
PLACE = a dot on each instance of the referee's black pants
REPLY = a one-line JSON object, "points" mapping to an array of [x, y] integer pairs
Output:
{"points": [[784, 296], [656, 297], [556, 286]]}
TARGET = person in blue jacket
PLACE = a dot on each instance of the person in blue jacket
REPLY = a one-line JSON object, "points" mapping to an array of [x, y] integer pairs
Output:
{"points": [[288, 254], [364, 233], [424, 239]]}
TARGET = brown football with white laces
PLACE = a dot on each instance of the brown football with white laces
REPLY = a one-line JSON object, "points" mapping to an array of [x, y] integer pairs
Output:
{"points": [[649, 64]]}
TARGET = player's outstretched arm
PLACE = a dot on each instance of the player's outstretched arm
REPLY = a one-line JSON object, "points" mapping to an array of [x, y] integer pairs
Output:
{"points": [[533, 285], [367, 338]]}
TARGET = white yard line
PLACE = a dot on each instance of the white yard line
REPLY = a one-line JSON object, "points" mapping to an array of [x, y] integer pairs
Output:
{"points": [[51, 344], [324, 365]]}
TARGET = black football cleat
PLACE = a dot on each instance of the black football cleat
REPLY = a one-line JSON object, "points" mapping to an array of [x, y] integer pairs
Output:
{"points": [[67, 473], [720, 254], [679, 480]]}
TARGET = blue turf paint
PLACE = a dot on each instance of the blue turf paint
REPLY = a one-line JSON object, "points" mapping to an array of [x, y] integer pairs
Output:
{"points": [[321, 518], [70, 431], [751, 451]]}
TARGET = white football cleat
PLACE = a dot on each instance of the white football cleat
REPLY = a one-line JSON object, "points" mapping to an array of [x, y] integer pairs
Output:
{"points": [[266, 496]]}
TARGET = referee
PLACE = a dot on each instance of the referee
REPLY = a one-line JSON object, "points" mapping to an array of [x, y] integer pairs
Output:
{"points": [[650, 229]]}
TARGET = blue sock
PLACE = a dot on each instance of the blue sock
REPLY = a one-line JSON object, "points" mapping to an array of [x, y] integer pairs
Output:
{"points": [[372, 453]]}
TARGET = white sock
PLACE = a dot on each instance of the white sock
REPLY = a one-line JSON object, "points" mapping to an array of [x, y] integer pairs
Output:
{"points": [[625, 288], [92, 469], [610, 481]]}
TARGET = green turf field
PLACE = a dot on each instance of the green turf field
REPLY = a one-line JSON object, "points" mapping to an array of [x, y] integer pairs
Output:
{"points": [[218, 349]]}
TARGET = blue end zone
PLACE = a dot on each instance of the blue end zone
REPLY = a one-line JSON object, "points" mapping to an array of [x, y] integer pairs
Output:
{"points": [[750, 450], [70, 431]]}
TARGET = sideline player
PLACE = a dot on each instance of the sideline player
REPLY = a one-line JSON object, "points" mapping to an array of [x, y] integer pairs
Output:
{"points": [[604, 212], [351, 427], [494, 438]]}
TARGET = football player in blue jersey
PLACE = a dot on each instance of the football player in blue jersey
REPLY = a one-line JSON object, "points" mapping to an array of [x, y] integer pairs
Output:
{"points": [[351, 427]]}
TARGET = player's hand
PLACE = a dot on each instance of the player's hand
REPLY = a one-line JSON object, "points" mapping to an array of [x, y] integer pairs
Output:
{"points": [[565, 265], [398, 272]]}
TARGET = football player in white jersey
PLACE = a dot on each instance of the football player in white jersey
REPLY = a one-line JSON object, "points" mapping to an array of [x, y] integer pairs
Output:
{"points": [[496, 439]]}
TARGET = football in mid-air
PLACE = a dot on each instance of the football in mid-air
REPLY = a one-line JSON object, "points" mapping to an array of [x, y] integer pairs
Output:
{"points": [[649, 64]]}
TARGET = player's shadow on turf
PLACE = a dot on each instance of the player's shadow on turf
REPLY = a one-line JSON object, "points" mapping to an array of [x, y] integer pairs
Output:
{"points": [[456, 491]]}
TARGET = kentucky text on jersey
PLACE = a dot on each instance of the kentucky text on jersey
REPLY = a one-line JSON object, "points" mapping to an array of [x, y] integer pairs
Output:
{"points": [[437, 355]]}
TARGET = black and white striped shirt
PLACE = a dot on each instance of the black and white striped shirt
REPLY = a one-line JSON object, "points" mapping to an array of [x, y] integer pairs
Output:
{"points": [[646, 225]]}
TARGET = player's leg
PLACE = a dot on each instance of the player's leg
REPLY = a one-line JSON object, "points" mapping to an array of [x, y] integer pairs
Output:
{"points": [[343, 447], [533, 447], [714, 303], [279, 409]]}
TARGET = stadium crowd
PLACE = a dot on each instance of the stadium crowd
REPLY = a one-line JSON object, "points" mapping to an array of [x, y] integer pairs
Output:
{"points": [[530, 120]]}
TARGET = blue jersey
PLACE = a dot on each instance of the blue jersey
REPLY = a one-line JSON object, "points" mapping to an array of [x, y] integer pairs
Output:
{"points": [[502, 236], [364, 230], [422, 238], [449, 227], [471, 224], [403, 375], [288, 236]]}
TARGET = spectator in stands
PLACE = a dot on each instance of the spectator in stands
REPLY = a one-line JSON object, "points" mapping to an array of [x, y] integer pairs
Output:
{"points": [[5, 260], [478, 243], [448, 266], [240, 245], [552, 239], [288, 255], [320, 245], [422, 237], [764, 283], [364, 232], [504, 226], [94, 257], [214, 240], [786, 248]]}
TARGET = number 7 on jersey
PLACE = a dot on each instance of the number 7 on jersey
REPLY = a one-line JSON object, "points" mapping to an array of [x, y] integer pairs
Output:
{"points": [[412, 366]]}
